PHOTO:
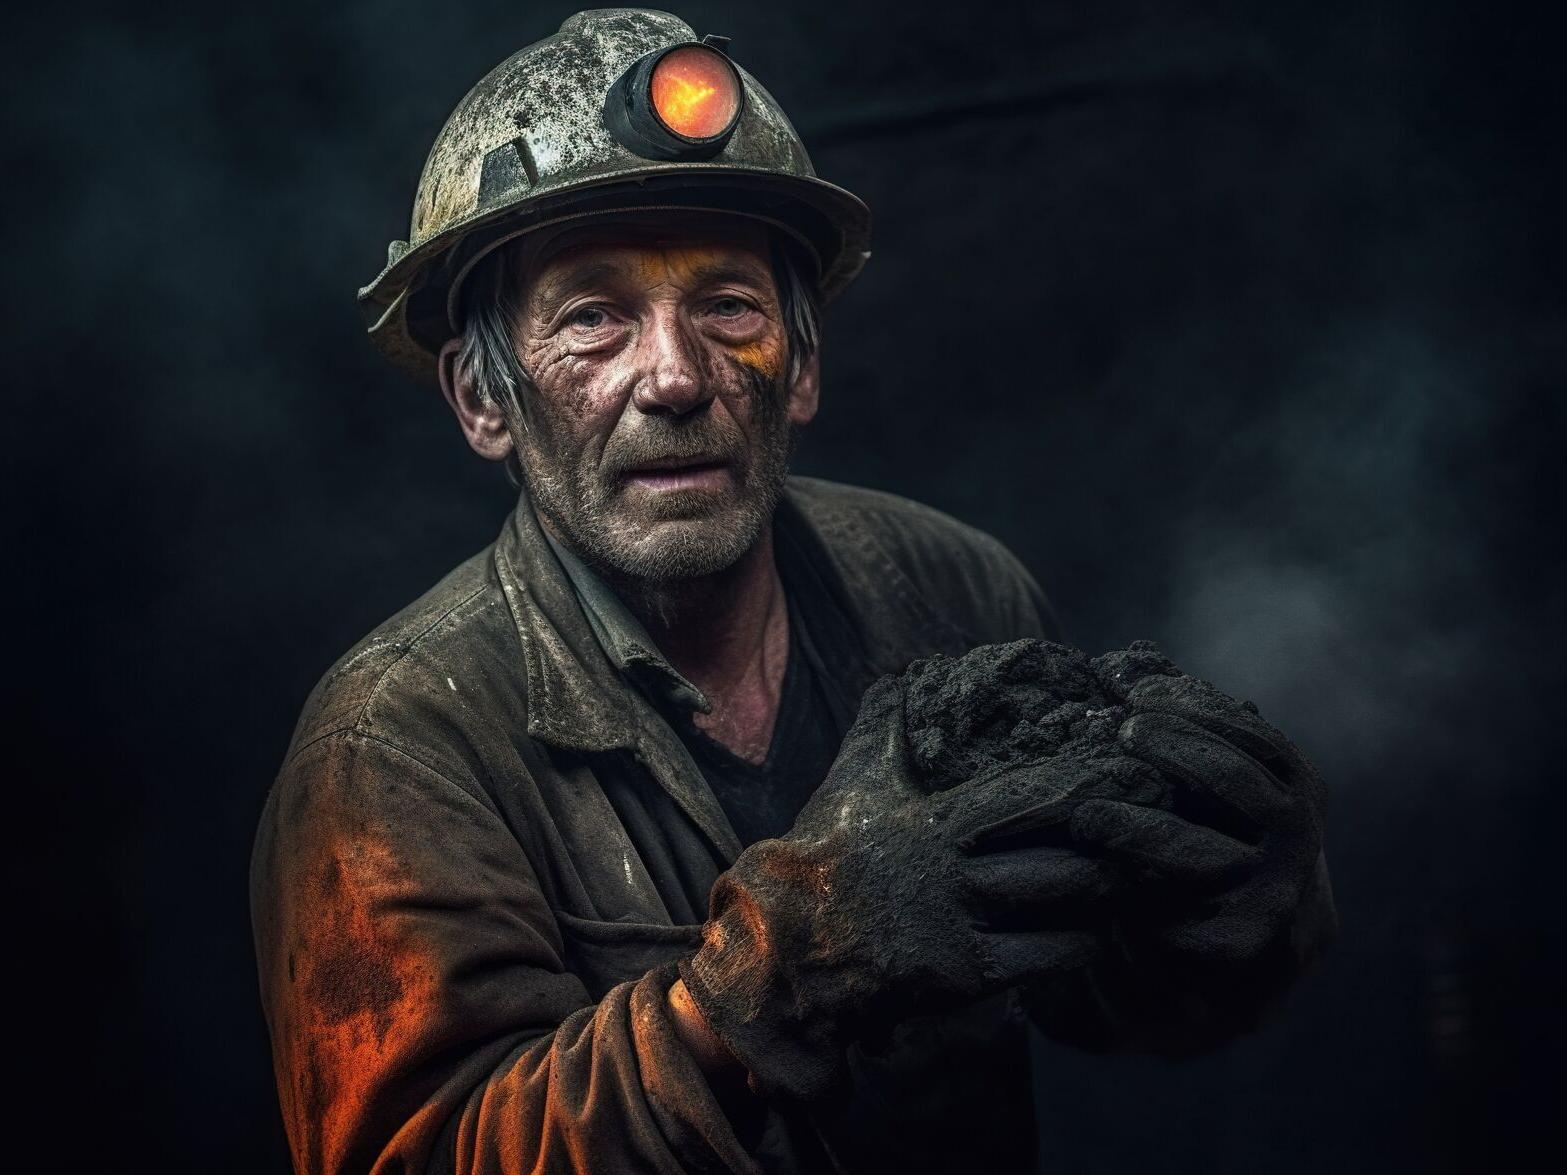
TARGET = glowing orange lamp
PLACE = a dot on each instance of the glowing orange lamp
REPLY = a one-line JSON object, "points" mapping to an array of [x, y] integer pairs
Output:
{"points": [[682, 102]]}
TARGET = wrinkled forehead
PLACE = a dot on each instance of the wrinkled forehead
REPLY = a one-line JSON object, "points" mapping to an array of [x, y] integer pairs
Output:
{"points": [[737, 241]]}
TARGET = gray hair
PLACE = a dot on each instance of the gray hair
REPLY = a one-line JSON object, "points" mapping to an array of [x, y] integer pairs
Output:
{"points": [[492, 301]]}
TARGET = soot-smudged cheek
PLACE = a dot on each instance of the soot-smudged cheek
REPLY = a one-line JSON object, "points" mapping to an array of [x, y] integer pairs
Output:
{"points": [[576, 387], [764, 356]]}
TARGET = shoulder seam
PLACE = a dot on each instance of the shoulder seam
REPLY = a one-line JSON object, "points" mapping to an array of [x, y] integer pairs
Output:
{"points": [[409, 648], [348, 732], [902, 583], [977, 543]]}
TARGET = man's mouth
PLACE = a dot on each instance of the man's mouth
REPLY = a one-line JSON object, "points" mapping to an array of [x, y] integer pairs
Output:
{"points": [[663, 475]]}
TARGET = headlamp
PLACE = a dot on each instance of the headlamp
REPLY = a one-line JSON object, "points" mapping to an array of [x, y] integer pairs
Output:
{"points": [[680, 102]]}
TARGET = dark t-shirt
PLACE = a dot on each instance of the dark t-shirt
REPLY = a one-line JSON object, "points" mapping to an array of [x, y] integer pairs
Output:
{"points": [[763, 799]]}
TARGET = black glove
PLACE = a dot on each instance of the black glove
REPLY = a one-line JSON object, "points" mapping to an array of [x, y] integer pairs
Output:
{"points": [[1238, 899], [884, 901]]}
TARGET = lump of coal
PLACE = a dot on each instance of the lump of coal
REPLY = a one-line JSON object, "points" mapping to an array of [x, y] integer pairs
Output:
{"points": [[1024, 701]]}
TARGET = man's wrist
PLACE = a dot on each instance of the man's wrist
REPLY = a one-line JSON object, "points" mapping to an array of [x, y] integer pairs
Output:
{"points": [[712, 1055]]}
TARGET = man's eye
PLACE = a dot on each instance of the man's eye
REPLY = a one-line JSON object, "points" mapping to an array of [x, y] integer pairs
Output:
{"points": [[729, 307], [588, 318]]}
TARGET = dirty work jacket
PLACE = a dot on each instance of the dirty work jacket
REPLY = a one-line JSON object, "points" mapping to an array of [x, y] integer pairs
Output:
{"points": [[486, 849]]}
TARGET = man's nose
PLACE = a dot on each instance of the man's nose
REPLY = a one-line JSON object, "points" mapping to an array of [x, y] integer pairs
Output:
{"points": [[671, 382]]}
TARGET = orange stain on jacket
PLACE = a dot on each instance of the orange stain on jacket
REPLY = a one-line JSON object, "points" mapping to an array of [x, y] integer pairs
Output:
{"points": [[367, 990]]}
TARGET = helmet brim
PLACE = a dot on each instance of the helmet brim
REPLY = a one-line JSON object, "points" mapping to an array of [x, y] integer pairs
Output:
{"points": [[411, 305]]}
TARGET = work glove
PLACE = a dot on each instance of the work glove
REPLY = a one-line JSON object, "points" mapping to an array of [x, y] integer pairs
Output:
{"points": [[1229, 893], [886, 900]]}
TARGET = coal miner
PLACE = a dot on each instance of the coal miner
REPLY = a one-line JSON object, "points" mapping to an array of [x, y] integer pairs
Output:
{"points": [[713, 819]]}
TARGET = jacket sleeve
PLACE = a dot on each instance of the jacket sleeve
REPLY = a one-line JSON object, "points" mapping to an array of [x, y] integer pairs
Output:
{"points": [[422, 1017]]}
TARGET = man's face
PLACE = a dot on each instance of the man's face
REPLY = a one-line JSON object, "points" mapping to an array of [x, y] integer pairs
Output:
{"points": [[657, 441]]}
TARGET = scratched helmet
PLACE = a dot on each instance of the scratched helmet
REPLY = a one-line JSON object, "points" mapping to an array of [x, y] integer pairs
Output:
{"points": [[622, 109]]}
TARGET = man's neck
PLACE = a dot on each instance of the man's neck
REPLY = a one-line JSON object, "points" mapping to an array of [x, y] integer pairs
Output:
{"points": [[728, 634]]}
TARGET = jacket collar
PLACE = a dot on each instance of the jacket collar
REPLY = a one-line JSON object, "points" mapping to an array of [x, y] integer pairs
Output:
{"points": [[623, 638], [582, 663], [577, 697]]}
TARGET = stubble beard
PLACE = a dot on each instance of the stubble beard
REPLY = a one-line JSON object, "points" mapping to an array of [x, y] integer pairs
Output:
{"points": [[653, 542]]}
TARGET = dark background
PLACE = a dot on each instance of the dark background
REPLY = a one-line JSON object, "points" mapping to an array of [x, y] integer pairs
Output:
{"points": [[1243, 324]]}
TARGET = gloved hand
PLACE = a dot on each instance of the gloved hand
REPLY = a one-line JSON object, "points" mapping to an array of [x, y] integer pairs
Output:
{"points": [[1239, 899], [884, 901]]}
